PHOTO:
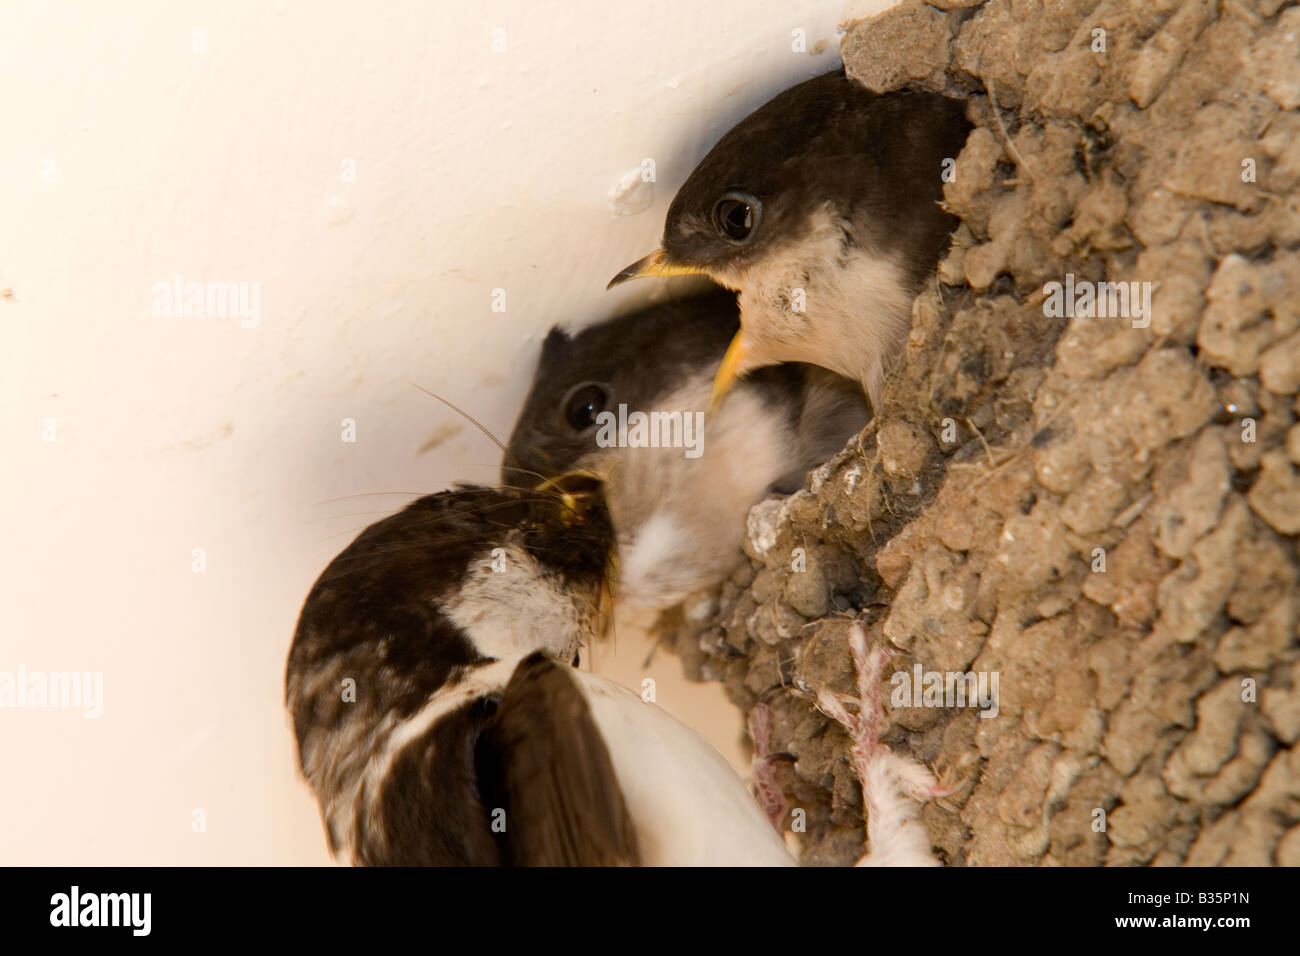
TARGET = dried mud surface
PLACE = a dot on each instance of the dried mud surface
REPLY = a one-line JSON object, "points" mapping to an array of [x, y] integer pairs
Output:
{"points": [[1160, 696]]}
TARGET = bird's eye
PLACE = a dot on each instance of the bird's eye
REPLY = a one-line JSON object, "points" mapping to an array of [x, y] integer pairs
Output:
{"points": [[583, 404], [735, 215]]}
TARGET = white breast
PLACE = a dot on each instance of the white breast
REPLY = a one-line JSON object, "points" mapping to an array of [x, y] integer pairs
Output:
{"points": [[681, 520], [496, 586], [857, 305]]}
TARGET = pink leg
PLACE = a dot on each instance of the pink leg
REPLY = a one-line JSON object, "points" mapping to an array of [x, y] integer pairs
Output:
{"points": [[762, 776], [891, 783]]}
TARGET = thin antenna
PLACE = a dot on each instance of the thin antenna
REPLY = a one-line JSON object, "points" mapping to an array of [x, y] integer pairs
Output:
{"points": [[466, 415]]}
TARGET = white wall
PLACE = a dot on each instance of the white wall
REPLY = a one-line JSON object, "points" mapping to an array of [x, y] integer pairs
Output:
{"points": [[128, 156]]}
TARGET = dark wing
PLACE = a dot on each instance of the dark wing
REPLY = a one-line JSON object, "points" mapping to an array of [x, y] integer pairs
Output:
{"points": [[542, 760], [427, 811]]}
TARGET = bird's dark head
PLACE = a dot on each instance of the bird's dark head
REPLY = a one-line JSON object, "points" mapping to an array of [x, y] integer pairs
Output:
{"points": [[568, 530], [453, 580], [822, 205], [775, 190], [753, 192], [399, 583], [636, 360], [752, 195]]}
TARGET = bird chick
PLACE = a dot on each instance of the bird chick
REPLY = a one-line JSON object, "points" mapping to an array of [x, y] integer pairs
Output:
{"points": [[822, 208], [440, 722], [680, 519]]}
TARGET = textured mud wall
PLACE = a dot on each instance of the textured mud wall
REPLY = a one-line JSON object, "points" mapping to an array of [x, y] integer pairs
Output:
{"points": [[1104, 515]]}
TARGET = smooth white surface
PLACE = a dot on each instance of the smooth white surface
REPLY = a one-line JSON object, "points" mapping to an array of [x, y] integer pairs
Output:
{"points": [[128, 156]]}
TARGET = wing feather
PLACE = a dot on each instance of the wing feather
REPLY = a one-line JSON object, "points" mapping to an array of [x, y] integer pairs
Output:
{"points": [[543, 760]]}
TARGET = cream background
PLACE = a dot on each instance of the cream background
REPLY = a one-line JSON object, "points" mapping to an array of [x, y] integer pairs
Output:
{"points": [[474, 170]]}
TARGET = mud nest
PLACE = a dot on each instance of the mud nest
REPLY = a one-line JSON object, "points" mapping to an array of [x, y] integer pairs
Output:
{"points": [[1102, 513]]}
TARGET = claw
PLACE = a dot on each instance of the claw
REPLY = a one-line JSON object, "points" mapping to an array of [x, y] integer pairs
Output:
{"points": [[763, 780], [890, 782]]}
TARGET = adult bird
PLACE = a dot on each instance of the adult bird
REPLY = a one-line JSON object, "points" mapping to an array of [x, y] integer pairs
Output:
{"points": [[440, 718]]}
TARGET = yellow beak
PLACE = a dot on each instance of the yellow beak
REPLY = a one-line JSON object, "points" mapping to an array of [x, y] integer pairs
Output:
{"points": [[653, 265], [728, 371], [576, 489]]}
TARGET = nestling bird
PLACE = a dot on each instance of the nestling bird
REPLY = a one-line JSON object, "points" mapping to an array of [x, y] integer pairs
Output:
{"points": [[822, 208], [439, 719], [680, 520]]}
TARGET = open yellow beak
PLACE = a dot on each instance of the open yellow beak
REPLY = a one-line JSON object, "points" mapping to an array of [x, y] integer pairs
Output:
{"points": [[653, 265], [728, 371]]}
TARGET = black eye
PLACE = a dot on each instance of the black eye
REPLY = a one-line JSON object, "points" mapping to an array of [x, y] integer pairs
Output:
{"points": [[583, 404], [735, 216]]}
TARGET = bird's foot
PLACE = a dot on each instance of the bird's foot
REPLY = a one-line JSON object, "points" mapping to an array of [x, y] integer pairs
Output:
{"points": [[762, 772], [891, 783]]}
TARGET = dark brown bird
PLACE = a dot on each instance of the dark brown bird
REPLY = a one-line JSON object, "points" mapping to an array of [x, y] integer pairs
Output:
{"points": [[679, 511], [440, 722], [822, 209]]}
